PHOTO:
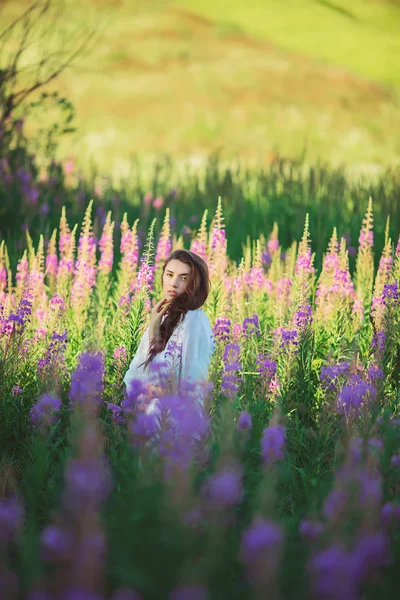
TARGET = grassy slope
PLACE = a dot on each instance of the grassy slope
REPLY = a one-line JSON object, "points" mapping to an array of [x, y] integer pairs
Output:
{"points": [[361, 35], [168, 79]]}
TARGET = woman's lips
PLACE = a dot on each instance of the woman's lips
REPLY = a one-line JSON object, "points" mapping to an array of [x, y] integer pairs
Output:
{"points": [[171, 293]]}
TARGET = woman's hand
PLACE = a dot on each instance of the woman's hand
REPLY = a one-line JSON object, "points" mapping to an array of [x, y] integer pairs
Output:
{"points": [[155, 391], [157, 314]]}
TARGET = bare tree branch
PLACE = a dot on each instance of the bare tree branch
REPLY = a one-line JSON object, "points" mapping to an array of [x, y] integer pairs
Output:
{"points": [[51, 63]]}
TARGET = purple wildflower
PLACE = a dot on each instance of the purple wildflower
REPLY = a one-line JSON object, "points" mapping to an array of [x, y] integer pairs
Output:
{"points": [[45, 410], [87, 483], [390, 514], [332, 577], [145, 278], [287, 337], [224, 488], [251, 326], [116, 413], [329, 375], [311, 530], [375, 373], [273, 444], [56, 543], [266, 367], [395, 460], [87, 379], [303, 317], [261, 537], [391, 292], [378, 341], [221, 329], [353, 396], [11, 516], [144, 427], [244, 422]]}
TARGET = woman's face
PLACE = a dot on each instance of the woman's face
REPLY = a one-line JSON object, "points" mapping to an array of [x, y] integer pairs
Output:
{"points": [[176, 278]]}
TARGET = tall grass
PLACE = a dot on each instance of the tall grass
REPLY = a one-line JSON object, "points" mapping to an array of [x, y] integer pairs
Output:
{"points": [[254, 199], [291, 489]]}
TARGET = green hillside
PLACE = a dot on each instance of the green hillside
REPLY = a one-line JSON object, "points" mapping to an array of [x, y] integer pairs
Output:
{"points": [[361, 35], [247, 79]]}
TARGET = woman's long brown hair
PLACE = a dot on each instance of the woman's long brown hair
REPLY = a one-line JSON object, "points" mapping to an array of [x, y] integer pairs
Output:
{"points": [[194, 297]]}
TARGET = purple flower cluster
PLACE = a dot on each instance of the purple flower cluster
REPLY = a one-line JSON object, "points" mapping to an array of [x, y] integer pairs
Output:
{"points": [[116, 413], [145, 278], [287, 337], [304, 263], [259, 540], [218, 238], [273, 444], [199, 247], [54, 357], [251, 326], [366, 239], [222, 329], [311, 530], [163, 249], [378, 341], [390, 293], [244, 422], [87, 380], [11, 516], [144, 427], [266, 367], [224, 489], [330, 375], [338, 572], [231, 380], [18, 321], [302, 318], [44, 412], [354, 395], [29, 190]]}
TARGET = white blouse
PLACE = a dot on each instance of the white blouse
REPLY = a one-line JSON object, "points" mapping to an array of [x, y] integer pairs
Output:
{"points": [[186, 356]]}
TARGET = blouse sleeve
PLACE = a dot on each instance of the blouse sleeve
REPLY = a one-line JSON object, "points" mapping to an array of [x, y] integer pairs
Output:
{"points": [[197, 348], [135, 371]]}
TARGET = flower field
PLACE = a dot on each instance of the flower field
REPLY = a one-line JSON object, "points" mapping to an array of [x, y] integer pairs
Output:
{"points": [[290, 488]]}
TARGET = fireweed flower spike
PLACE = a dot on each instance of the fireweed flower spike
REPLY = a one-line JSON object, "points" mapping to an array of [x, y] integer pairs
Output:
{"points": [[11, 519], [273, 444], [223, 490], [199, 244], [244, 422], [218, 247], [364, 274], [164, 245], [51, 257], [74, 542], [44, 413], [66, 263], [85, 267], [87, 381], [106, 246], [261, 551], [231, 380]]}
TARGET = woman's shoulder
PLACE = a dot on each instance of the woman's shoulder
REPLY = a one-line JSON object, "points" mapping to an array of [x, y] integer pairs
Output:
{"points": [[198, 317]]}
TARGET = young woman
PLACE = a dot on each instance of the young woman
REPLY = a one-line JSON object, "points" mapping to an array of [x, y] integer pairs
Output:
{"points": [[177, 345]]}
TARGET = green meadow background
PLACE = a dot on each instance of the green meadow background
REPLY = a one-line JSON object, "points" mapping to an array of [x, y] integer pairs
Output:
{"points": [[309, 79]]}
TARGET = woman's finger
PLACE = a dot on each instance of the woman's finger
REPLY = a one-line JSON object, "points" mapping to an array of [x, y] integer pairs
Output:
{"points": [[157, 306], [164, 309]]}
